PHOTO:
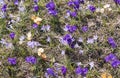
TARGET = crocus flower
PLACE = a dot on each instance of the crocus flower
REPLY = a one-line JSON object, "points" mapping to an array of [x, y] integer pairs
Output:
{"points": [[36, 8], [68, 38], [12, 61], [4, 7], [112, 42], [81, 71], [90, 41], [16, 2], [33, 44], [12, 35], [31, 59], [50, 5], [78, 70], [63, 70], [91, 8], [75, 4], [50, 71], [71, 29], [45, 28], [110, 57], [115, 63], [117, 2], [36, 1], [35, 25], [51, 8], [84, 28], [73, 14]]}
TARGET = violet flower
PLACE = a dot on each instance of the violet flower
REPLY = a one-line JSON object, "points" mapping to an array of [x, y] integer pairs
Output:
{"points": [[31, 59], [12, 35], [12, 61], [73, 14], [91, 8], [64, 70], [112, 42], [4, 7], [115, 63], [35, 25], [110, 57], [51, 8], [36, 8], [71, 29], [50, 71], [81, 71], [75, 4], [36, 1], [84, 28], [16, 2], [117, 2]]}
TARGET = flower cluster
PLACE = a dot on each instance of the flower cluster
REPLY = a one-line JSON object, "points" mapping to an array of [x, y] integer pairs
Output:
{"points": [[81, 71], [70, 28], [112, 42], [51, 8], [112, 59], [31, 59]]}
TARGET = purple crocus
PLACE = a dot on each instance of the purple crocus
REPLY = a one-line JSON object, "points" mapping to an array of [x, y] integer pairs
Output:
{"points": [[12, 61], [36, 8], [50, 5], [70, 28], [78, 70], [73, 14], [52, 12], [35, 25], [50, 71], [16, 2], [51, 8], [75, 4], [31, 59], [115, 63], [84, 28], [68, 38], [36, 1], [4, 7], [117, 2], [81, 71], [112, 42], [64, 70], [91, 8], [12, 35], [110, 57]]}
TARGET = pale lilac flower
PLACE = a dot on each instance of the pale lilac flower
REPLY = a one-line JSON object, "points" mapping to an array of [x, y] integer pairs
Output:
{"points": [[33, 44], [95, 37], [91, 64], [90, 41], [80, 39], [45, 28], [81, 51], [48, 39], [3, 41], [76, 45], [9, 46], [63, 52]]}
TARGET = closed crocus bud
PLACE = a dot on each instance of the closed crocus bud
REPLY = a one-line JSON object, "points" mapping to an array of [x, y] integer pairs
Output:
{"points": [[64, 70], [12, 35]]}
